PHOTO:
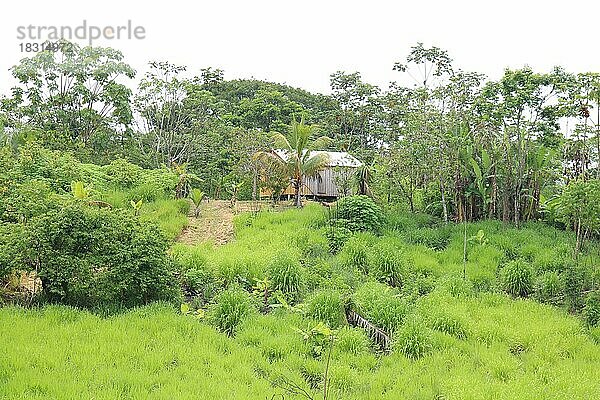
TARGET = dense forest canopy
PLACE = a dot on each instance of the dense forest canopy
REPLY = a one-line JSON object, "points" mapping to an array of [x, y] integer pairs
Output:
{"points": [[441, 140]]}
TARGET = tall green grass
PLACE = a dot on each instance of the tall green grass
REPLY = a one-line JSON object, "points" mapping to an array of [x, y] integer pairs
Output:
{"points": [[453, 338], [148, 353]]}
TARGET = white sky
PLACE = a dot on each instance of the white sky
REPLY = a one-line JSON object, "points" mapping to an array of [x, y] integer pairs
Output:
{"points": [[302, 43]]}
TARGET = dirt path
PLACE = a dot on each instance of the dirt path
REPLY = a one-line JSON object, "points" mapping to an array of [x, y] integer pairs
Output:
{"points": [[214, 224]]}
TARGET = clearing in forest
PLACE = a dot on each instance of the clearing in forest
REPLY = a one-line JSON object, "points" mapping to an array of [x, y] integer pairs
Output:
{"points": [[215, 221], [214, 224]]}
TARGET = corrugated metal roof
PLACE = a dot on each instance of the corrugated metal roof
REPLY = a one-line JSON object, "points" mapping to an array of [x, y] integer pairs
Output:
{"points": [[336, 158]]}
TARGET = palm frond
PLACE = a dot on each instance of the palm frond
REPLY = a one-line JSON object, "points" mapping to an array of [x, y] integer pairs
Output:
{"points": [[315, 163], [282, 142]]}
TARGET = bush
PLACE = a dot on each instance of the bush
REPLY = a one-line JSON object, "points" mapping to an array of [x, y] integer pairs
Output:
{"points": [[434, 238], [147, 192], [387, 263], [456, 286], [579, 278], [285, 273], [399, 220], [591, 310], [230, 308], [414, 340], [163, 180], [381, 305], [448, 324], [122, 174], [27, 200], [517, 278], [353, 341], [56, 169], [337, 237], [15, 249], [201, 283], [183, 206], [355, 253], [360, 213], [98, 258], [549, 288], [507, 244], [312, 244], [327, 306]]}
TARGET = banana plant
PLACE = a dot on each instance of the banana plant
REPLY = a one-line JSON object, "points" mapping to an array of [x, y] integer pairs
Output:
{"points": [[482, 173], [235, 188], [79, 191], [538, 164], [185, 180], [137, 206], [197, 195]]}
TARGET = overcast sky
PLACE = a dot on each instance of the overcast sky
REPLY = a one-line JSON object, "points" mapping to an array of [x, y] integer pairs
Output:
{"points": [[302, 43]]}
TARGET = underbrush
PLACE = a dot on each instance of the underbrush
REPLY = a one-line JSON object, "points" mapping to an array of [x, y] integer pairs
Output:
{"points": [[268, 306]]}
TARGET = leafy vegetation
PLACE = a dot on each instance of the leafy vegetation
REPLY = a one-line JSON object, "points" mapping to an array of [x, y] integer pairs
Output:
{"points": [[476, 205]]}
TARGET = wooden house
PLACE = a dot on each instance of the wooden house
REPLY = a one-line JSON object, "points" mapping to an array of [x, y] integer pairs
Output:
{"points": [[332, 182]]}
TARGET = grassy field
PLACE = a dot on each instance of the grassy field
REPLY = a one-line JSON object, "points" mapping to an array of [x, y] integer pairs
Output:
{"points": [[452, 338]]}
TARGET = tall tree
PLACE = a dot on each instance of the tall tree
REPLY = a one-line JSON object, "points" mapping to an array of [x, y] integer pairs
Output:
{"points": [[72, 95]]}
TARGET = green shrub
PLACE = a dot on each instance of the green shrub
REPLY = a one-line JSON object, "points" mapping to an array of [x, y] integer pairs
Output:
{"points": [[550, 288], [285, 273], [122, 174], [456, 286], [327, 306], [381, 305], [147, 192], [482, 282], [580, 278], [163, 180], [401, 220], [591, 310], [200, 282], [170, 215], [231, 307], [92, 257], [27, 200], [343, 278], [517, 278], [360, 213], [414, 340], [337, 237], [312, 244], [352, 340], [312, 372], [15, 249], [434, 238], [595, 334], [183, 206], [507, 244], [355, 252], [446, 323], [56, 169], [387, 263]]}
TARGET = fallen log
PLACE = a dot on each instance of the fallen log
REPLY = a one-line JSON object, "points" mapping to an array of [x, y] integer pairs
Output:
{"points": [[378, 335]]}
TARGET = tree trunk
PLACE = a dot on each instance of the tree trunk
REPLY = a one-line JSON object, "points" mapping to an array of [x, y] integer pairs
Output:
{"points": [[254, 184], [297, 199], [444, 206], [517, 205], [578, 243]]}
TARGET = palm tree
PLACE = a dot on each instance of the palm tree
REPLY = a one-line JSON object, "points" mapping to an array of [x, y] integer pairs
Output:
{"points": [[298, 161]]}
